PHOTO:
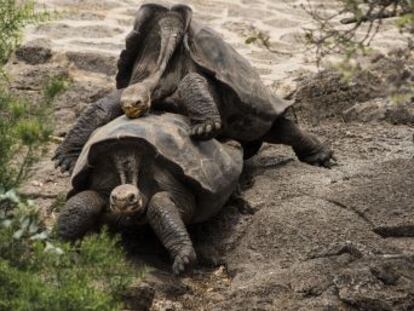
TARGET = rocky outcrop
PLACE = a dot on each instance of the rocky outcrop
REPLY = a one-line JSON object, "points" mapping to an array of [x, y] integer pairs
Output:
{"points": [[363, 97], [35, 52]]}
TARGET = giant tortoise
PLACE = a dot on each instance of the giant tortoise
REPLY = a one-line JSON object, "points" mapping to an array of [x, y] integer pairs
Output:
{"points": [[148, 170], [175, 64]]}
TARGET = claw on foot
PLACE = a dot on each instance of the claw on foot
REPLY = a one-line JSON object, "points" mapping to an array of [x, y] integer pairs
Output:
{"points": [[65, 164], [206, 130], [66, 160], [183, 262], [324, 158]]}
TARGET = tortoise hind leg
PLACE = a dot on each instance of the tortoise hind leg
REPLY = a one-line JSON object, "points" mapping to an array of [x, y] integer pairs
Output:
{"points": [[80, 215], [166, 220], [251, 148], [307, 147], [194, 93]]}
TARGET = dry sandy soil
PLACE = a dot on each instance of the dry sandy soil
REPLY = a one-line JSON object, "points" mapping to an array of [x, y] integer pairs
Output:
{"points": [[338, 239]]}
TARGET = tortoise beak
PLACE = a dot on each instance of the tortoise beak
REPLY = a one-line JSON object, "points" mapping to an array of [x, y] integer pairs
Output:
{"points": [[134, 112], [135, 101], [126, 208], [136, 208]]}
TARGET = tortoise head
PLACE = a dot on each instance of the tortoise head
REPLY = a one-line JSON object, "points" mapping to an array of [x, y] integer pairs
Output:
{"points": [[126, 199], [136, 100]]}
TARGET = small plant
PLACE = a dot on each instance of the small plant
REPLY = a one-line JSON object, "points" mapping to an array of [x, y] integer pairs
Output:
{"points": [[54, 87], [365, 21], [350, 32], [39, 273], [24, 130]]}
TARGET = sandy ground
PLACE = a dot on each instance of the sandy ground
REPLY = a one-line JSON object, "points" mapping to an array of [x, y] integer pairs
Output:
{"points": [[264, 261]]}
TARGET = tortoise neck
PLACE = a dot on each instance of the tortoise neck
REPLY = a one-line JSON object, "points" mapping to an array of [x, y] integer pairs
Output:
{"points": [[171, 33], [128, 163]]}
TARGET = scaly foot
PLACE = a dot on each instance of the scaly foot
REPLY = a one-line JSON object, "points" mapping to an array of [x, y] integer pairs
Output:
{"points": [[184, 260], [321, 155], [206, 130]]}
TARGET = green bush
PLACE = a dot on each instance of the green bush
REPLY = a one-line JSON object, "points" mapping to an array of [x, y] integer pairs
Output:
{"points": [[39, 273]]}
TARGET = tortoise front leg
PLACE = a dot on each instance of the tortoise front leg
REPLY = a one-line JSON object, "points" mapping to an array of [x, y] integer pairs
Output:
{"points": [[94, 116], [167, 222], [80, 215], [194, 94], [307, 147]]}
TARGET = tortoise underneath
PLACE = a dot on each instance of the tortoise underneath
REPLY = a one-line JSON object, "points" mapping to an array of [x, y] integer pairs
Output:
{"points": [[148, 170], [172, 63]]}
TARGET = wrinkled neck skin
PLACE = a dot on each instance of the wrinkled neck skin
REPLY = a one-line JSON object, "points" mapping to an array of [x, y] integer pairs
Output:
{"points": [[127, 163], [171, 28]]}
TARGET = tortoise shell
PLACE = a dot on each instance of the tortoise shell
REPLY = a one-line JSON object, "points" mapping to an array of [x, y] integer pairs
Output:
{"points": [[211, 169], [215, 56]]}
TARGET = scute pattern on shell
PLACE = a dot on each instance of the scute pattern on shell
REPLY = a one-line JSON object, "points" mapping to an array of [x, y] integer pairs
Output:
{"points": [[208, 49], [212, 166]]}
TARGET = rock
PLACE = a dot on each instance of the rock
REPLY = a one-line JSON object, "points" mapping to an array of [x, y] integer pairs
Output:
{"points": [[139, 297], [35, 52], [402, 113], [295, 223], [363, 97], [385, 199], [35, 77], [378, 284], [167, 305], [95, 62], [168, 285], [271, 264], [381, 109], [373, 110], [327, 94]]}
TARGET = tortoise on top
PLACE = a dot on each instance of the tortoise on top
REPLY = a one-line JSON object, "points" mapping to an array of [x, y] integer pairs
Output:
{"points": [[173, 63], [148, 170]]}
